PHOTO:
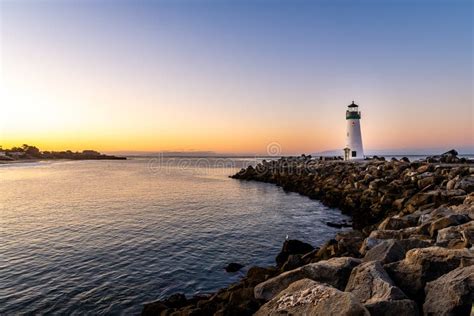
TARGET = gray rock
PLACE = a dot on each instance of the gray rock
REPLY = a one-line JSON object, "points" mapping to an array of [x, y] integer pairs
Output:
{"points": [[335, 271], [393, 308], [450, 184], [466, 184], [401, 233], [451, 294], [387, 234], [412, 243], [461, 236], [450, 220], [395, 223], [469, 200], [373, 287], [426, 181], [293, 262], [431, 215], [370, 283], [423, 265], [386, 252], [272, 287], [307, 297], [368, 244]]}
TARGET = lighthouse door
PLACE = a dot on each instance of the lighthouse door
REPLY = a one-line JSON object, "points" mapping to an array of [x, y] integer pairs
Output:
{"points": [[346, 153]]}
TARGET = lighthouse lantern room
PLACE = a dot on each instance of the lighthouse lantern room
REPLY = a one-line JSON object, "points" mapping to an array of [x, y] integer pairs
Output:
{"points": [[353, 149]]}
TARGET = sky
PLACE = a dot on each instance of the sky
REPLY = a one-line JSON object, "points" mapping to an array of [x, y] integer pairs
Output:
{"points": [[236, 76]]}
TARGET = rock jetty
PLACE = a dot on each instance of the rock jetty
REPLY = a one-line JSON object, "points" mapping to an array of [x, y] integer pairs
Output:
{"points": [[410, 251]]}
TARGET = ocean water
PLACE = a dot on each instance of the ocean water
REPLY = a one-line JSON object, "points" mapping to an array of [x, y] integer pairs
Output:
{"points": [[104, 237]]}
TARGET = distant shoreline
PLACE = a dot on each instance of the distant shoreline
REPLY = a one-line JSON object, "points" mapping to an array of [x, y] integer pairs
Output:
{"points": [[10, 162], [27, 153], [17, 161]]}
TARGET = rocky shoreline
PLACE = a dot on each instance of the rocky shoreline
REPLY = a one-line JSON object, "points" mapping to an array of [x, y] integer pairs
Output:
{"points": [[410, 251]]}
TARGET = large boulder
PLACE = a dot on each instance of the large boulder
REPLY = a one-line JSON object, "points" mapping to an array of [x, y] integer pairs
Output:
{"points": [[372, 286], [451, 294], [466, 184], [423, 265], [388, 234], [256, 275], [469, 202], [461, 236], [349, 243], [412, 243], [395, 223], [409, 232], [368, 244], [307, 297], [426, 181], [335, 272], [407, 244], [386, 252], [450, 220]]}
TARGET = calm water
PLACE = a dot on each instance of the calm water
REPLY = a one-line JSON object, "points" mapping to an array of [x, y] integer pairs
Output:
{"points": [[104, 237]]}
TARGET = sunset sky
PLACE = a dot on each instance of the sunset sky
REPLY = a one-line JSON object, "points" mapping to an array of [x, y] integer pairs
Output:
{"points": [[234, 76]]}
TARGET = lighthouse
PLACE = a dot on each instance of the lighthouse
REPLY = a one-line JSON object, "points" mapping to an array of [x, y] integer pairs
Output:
{"points": [[354, 149]]}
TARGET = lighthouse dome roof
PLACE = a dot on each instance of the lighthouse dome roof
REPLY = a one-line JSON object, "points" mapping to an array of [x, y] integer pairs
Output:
{"points": [[353, 105]]}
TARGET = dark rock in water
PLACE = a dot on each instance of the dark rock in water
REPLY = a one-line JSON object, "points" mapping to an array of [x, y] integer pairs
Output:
{"points": [[405, 159], [233, 267], [292, 247], [339, 225], [177, 300]]}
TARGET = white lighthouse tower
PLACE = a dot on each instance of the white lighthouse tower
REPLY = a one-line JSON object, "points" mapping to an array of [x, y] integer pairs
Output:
{"points": [[354, 149]]}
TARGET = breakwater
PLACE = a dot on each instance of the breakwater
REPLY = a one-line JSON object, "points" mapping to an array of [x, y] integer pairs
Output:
{"points": [[410, 251]]}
